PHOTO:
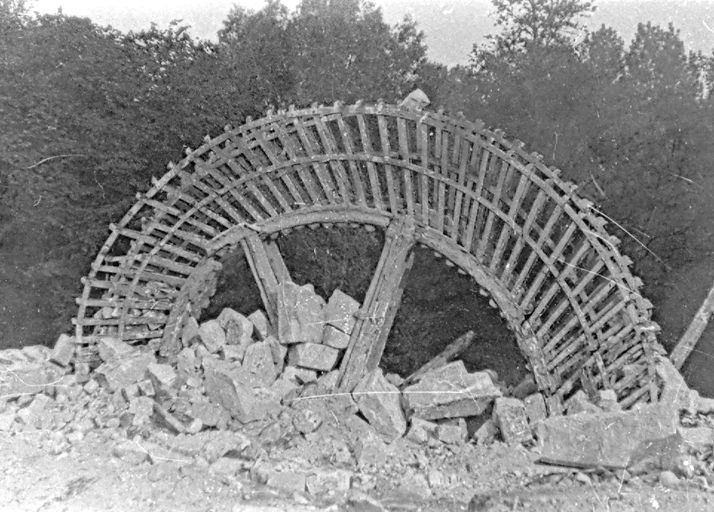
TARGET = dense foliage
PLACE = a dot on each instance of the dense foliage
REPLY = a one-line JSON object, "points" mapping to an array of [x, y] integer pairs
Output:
{"points": [[89, 114]]}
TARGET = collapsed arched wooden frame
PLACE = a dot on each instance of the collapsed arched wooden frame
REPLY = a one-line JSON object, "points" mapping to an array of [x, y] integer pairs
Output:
{"points": [[493, 210]]}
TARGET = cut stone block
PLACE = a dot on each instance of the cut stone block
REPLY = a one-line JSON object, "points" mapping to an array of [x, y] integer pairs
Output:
{"points": [[535, 408], [212, 335], [260, 323], [110, 349], [313, 356], [226, 387], [258, 365], [340, 311], [63, 351], [300, 314], [605, 439], [510, 416], [238, 328], [125, 371], [452, 431], [379, 403], [450, 392], [335, 338], [607, 400]]}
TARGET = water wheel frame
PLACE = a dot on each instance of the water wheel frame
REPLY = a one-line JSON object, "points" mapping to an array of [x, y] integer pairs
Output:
{"points": [[490, 208]]}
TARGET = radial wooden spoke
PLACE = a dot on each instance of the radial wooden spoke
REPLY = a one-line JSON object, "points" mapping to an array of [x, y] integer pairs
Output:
{"points": [[381, 302], [268, 269]]}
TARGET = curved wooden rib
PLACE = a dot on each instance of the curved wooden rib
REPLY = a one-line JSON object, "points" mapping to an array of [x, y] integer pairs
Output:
{"points": [[497, 212]]}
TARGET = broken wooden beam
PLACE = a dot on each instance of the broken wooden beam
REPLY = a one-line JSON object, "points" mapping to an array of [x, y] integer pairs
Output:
{"points": [[451, 352], [689, 340]]}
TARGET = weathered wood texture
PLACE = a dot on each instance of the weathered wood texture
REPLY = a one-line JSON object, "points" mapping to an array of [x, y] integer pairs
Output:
{"points": [[381, 302], [695, 330], [542, 253]]}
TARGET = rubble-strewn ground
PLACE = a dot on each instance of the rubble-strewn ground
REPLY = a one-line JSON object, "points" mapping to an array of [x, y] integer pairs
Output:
{"points": [[243, 416]]}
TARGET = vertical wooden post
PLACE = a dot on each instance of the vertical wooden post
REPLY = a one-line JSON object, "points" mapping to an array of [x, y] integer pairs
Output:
{"points": [[381, 303]]}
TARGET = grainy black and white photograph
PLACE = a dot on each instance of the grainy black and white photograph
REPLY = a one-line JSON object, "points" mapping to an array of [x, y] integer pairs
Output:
{"points": [[353, 255]]}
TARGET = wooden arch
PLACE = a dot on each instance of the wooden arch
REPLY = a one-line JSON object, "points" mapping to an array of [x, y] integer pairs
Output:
{"points": [[497, 212]]}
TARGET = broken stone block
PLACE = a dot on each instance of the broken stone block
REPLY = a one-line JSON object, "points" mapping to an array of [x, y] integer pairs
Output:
{"points": [[110, 349], [605, 439], [209, 413], [285, 389], [120, 373], [212, 335], [333, 337], [313, 356], [146, 387], [163, 378], [226, 386], [165, 419], [260, 324], [535, 408], [607, 400], [32, 415], [579, 403], [300, 314], [279, 352], [307, 419], [697, 436], [141, 408], [300, 376], [258, 365], [421, 430], [239, 329], [659, 454], [369, 451], [379, 403], [233, 353], [486, 433], [63, 351], [187, 362], [129, 392], [340, 311], [287, 480], [328, 382], [510, 416], [450, 392], [334, 480], [190, 333], [452, 431]]}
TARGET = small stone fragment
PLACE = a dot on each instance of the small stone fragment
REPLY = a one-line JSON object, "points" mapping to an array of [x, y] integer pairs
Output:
{"points": [[579, 403], [333, 337], [110, 349], [287, 480], [209, 413], [335, 480], [450, 392], [535, 408], [340, 311], [165, 419], [233, 353], [226, 387], [306, 420], [370, 451], [452, 431], [63, 351], [279, 352], [186, 361], [7, 418], [91, 387], [258, 365], [190, 332], [421, 430], [486, 433], [669, 479], [510, 416], [239, 329], [212, 335], [131, 452], [260, 323], [146, 387], [313, 356], [607, 400], [299, 375], [285, 389], [379, 403], [163, 378]]}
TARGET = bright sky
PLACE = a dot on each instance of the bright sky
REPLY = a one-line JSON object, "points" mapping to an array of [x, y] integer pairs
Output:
{"points": [[451, 26]]}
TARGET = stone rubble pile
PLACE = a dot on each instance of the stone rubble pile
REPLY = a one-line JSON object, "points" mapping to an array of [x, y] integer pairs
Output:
{"points": [[245, 396]]}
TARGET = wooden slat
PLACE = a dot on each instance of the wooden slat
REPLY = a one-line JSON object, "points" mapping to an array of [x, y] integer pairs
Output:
{"points": [[406, 173], [392, 188], [375, 186], [357, 185], [475, 206], [464, 158], [311, 148], [483, 241]]}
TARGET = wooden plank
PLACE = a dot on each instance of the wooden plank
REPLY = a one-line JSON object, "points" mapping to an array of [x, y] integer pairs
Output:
{"points": [[513, 210], [475, 205], [696, 328], [458, 194], [311, 148], [406, 173], [441, 184], [268, 270], [451, 352], [392, 188], [381, 302], [483, 241], [339, 173], [347, 142], [423, 143], [303, 174]]}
